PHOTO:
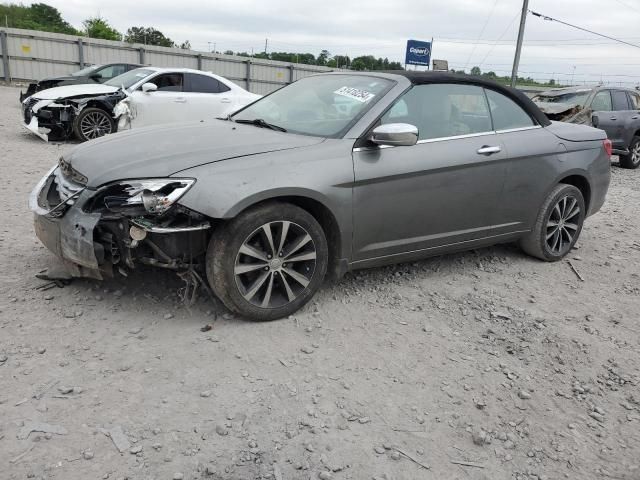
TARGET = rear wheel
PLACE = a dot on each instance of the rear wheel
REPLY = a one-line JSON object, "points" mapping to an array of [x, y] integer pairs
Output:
{"points": [[93, 123], [268, 262], [558, 225], [633, 159]]}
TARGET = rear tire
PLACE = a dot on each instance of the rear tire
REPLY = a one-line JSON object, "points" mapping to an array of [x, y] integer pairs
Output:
{"points": [[268, 262], [633, 159], [93, 123], [557, 226]]}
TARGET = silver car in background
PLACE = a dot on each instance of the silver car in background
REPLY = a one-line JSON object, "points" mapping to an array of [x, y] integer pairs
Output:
{"points": [[332, 173]]}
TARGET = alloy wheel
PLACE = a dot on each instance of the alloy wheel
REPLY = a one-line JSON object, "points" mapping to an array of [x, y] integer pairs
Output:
{"points": [[562, 225], [275, 264], [635, 154], [95, 124]]}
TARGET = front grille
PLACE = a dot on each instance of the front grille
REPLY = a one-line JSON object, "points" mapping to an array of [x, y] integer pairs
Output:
{"points": [[27, 111]]}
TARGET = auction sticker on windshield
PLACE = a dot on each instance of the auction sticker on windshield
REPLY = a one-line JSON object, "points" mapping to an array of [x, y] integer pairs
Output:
{"points": [[355, 94]]}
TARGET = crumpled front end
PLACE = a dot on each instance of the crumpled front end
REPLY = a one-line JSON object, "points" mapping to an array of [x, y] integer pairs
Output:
{"points": [[100, 232]]}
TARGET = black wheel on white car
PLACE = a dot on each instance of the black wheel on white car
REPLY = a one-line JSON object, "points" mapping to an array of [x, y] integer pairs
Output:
{"points": [[93, 123], [557, 226], [633, 159], [268, 262]]}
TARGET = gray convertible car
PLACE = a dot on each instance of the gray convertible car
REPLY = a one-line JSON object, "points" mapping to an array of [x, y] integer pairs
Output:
{"points": [[332, 173]]}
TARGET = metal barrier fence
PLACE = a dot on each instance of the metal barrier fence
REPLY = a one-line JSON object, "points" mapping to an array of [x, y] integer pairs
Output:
{"points": [[32, 55]]}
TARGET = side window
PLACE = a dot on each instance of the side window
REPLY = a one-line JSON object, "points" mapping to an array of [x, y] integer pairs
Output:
{"points": [[442, 110], [111, 71], [506, 113], [635, 101], [205, 84], [619, 100], [168, 82], [602, 102]]}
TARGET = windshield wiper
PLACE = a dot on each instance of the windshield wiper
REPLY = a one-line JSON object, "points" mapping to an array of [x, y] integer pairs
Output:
{"points": [[259, 122]]}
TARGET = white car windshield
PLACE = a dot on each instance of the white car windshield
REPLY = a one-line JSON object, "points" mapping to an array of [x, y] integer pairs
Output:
{"points": [[323, 105], [127, 80]]}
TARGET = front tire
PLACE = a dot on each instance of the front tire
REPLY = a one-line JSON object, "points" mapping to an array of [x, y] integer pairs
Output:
{"points": [[633, 159], [93, 123], [557, 226], [268, 262]]}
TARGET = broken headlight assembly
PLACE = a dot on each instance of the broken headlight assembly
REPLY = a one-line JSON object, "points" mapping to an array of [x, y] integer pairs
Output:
{"points": [[153, 196]]}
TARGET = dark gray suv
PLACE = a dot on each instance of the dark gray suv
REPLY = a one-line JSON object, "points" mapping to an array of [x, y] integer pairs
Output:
{"points": [[614, 110]]}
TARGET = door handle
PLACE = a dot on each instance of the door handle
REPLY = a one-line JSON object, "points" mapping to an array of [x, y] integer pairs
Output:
{"points": [[487, 150], [635, 117], [225, 100], [180, 100], [614, 118]]}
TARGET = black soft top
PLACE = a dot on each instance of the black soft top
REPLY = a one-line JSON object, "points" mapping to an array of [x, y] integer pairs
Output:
{"points": [[421, 78]]}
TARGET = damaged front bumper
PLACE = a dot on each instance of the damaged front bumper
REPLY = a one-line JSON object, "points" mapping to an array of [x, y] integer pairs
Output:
{"points": [[96, 244], [63, 227]]}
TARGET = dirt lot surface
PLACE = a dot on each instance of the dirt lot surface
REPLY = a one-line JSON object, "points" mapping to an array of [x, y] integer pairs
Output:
{"points": [[483, 365]]}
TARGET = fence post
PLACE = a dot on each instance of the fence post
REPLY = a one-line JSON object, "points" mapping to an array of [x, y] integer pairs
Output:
{"points": [[81, 53], [4, 47], [141, 54], [292, 67], [248, 74], [199, 61]]}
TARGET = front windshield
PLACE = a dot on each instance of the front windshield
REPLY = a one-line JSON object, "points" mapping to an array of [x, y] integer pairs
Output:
{"points": [[86, 71], [573, 97], [127, 80], [323, 105]]}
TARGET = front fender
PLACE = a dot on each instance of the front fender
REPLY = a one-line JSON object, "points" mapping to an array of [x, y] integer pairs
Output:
{"points": [[322, 172]]}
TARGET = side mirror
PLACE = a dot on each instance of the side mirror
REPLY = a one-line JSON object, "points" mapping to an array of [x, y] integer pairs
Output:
{"points": [[95, 76], [149, 87], [395, 134], [595, 120]]}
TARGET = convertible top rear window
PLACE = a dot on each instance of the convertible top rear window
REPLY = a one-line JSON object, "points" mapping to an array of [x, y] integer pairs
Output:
{"points": [[323, 106]]}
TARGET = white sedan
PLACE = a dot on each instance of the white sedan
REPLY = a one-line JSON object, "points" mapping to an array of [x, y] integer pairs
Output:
{"points": [[141, 97]]}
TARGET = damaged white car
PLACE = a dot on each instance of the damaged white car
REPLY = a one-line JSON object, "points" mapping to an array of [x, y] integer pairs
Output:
{"points": [[141, 97]]}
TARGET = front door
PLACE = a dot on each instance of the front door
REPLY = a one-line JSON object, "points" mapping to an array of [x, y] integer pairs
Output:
{"points": [[609, 120], [441, 191], [168, 104]]}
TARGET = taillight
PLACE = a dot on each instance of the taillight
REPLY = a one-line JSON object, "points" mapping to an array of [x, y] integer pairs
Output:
{"points": [[608, 147]]}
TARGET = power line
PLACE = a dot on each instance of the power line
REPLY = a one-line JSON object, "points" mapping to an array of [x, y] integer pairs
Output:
{"points": [[628, 6], [499, 38], [486, 22], [551, 19]]}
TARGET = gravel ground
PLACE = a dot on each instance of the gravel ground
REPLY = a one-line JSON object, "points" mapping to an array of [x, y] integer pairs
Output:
{"points": [[482, 365]]}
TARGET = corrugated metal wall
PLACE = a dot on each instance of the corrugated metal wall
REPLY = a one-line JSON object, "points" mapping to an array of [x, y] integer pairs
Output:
{"points": [[33, 55]]}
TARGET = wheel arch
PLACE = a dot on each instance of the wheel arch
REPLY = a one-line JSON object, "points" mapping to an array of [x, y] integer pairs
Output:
{"points": [[317, 206], [581, 182]]}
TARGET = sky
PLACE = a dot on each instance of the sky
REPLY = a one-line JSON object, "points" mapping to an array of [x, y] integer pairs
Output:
{"points": [[465, 32]]}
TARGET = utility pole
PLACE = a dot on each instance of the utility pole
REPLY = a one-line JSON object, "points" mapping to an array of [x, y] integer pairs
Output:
{"points": [[516, 60], [266, 44]]}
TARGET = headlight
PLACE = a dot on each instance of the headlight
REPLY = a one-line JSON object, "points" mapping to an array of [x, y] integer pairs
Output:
{"points": [[139, 197]]}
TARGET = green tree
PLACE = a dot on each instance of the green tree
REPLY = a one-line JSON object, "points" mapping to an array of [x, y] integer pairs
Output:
{"points": [[38, 16], [186, 45], [230, 52], [148, 36], [476, 71], [323, 57], [98, 27]]}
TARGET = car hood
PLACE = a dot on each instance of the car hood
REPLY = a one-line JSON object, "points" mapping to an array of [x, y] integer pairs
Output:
{"points": [[553, 108], [162, 151], [59, 79], [68, 91]]}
